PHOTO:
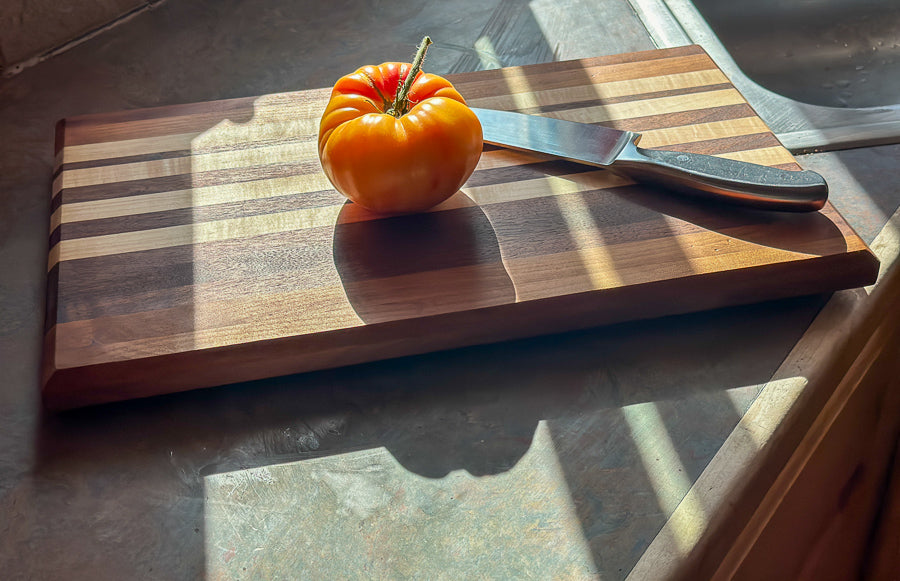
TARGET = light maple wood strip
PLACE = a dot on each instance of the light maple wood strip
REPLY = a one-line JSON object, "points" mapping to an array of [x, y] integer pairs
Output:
{"points": [[192, 198], [254, 157], [766, 156], [203, 232], [191, 234], [522, 94], [175, 119], [544, 187], [225, 134], [126, 148], [506, 158], [596, 70], [702, 131]]}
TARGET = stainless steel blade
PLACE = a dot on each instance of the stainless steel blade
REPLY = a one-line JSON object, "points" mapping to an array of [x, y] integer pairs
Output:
{"points": [[705, 176], [590, 144]]}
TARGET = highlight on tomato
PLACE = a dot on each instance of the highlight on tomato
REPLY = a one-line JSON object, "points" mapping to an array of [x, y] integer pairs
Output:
{"points": [[396, 140]]}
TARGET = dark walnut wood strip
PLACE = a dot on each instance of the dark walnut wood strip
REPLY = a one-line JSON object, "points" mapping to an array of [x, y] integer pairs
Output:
{"points": [[184, 181], [109, 161], [199, 214]]}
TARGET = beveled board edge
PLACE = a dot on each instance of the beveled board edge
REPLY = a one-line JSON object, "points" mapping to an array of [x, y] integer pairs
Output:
{"points": [[90, 385]]}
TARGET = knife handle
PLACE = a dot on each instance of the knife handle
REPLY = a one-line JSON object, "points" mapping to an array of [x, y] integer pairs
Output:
{"points": [[727, 180]]}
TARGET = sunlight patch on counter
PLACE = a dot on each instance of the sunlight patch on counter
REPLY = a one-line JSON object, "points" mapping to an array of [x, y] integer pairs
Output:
{"points": [[487, 54], [364, 512], [666, 473]]}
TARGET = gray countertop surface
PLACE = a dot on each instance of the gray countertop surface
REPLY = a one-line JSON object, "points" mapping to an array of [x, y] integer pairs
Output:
{"points": [[555, 457]]}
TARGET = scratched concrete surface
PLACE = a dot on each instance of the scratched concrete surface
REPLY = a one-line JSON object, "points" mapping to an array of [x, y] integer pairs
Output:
{"points": [[555, 457]]}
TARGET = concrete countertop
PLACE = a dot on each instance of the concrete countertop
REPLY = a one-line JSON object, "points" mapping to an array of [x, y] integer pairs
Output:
{"points": [[557, 457]]}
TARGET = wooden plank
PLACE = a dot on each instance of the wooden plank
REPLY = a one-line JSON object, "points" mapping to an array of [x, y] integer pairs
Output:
{"points": [[884, 553], [185, 236]]}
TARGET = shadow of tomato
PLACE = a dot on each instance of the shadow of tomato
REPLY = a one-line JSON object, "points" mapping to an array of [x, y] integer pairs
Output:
{"points": [[418, 265]]}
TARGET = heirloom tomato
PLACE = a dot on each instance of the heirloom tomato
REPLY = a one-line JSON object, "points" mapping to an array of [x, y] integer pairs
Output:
{"points": [[396, 140]]}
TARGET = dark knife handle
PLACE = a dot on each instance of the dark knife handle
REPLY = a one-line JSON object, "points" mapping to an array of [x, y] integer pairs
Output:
{"points": [[727, 180]]}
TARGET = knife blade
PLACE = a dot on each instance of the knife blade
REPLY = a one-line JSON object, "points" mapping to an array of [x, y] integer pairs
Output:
{"points": [[704, 176]]}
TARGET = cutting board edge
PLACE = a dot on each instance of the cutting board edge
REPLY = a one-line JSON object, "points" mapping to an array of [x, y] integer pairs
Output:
{"points": [[63, 379], [159, 375]]}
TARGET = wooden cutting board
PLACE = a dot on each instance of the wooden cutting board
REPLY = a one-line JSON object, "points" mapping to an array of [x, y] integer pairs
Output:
{"points": [[199, 245]]}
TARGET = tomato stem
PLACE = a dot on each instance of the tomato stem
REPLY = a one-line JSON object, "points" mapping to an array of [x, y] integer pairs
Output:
{"points": [[401, 102], [385, 102]]}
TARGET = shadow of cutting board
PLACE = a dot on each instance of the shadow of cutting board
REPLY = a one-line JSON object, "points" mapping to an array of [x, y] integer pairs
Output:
{"points": [[199, 245]]}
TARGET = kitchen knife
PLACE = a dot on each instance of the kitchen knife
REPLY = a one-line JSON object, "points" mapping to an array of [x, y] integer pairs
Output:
{"points": [[714, 178]]}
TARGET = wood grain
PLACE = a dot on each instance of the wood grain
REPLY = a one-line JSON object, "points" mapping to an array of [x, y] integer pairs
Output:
{"points": [[198, 245]]}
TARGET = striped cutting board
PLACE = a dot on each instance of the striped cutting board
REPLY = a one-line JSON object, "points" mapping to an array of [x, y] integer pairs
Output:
{"points": [[199, 245]]}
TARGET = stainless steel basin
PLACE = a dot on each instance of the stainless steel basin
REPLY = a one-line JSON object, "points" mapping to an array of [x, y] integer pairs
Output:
{"points": [[836, 53], [824, 74]]}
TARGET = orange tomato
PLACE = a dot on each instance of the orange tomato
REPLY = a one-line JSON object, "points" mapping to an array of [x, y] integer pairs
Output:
{"points": [[397, 157]]}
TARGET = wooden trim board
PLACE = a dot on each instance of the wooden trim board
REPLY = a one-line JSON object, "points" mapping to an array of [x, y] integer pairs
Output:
{"points": [[790, 493], [198, 245]]}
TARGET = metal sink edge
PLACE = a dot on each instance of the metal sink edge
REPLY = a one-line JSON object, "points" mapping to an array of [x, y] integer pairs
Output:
{"points": [[801, 127]]}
